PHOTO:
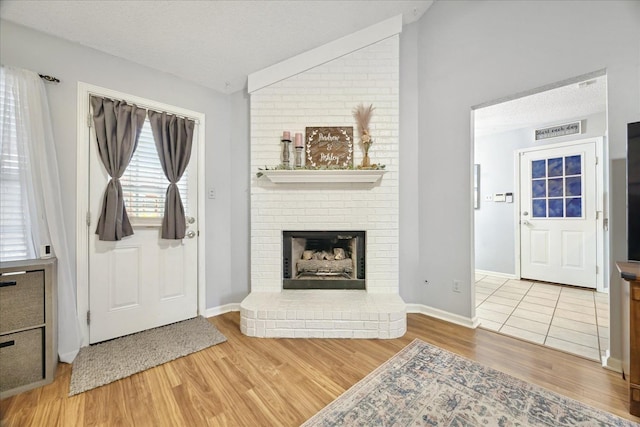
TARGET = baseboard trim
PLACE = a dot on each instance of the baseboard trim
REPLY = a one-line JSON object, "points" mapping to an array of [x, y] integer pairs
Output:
{"points": [[70, 356], [467, 322], [497, 274], [221, 309], [611, 364]]}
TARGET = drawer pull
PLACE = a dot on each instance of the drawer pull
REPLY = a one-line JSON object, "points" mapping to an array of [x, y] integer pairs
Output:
{"points": [[7, 344], [9, 283]]}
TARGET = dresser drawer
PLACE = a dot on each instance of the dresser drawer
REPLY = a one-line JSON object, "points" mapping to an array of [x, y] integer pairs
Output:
{"points": [[21, 358], [21, 300]]}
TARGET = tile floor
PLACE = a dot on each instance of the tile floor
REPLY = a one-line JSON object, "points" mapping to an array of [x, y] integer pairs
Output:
{"points": [[563, 317]]}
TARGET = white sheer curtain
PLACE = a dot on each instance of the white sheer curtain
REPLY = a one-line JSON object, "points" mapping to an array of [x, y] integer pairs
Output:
{"points": [[30, 124]]}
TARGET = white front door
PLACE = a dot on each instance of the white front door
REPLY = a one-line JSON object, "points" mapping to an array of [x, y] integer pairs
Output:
{"points": [[141, 281], [558, 220]]}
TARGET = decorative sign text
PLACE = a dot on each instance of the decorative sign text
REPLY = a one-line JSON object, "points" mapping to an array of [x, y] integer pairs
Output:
{"points": [[329, 146], [552, 132]]}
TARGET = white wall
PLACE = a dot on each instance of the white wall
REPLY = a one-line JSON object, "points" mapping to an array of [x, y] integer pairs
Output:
{"points": [[25, 48], [495, 221], [472, 52]]}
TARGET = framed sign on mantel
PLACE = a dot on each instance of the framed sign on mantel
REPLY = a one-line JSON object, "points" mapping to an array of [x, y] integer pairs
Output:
{"points": [[329, 147]]}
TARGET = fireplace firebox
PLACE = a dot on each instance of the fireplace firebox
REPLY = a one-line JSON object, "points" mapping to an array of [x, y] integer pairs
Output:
{"points": [[323, 259]]}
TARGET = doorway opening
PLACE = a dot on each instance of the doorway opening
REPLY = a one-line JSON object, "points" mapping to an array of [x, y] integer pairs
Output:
{"points": [[544, 147]]}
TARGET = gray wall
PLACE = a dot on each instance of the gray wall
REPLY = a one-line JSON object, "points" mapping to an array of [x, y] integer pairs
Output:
{"points": [[460, 54], [409, 220], [240, 283], [472, 52], [25, 48], [495, 225]]}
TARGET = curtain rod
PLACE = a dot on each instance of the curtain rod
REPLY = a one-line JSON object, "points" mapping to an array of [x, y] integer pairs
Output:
{"points": [[49, 79], [142, 105]]}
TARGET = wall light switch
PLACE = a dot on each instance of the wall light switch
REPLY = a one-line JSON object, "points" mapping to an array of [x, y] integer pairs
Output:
{"points": [[498, 197]]}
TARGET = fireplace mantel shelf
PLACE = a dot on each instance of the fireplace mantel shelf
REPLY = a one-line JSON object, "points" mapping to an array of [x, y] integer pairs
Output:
{"points": [[282, 176]]}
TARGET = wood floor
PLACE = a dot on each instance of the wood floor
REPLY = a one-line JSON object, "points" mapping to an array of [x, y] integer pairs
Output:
{"points": [[282, 382]]}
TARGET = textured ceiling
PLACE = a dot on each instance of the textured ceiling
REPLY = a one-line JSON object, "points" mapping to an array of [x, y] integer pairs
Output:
{"points": [[551, 107], [216, 44]]}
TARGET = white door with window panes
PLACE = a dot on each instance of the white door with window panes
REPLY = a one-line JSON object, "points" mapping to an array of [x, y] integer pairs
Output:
{"points": [[142, 281], [558, 218]]}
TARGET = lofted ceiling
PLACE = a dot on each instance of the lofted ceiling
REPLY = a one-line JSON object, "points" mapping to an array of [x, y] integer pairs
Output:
{"points": [[216, 44]]}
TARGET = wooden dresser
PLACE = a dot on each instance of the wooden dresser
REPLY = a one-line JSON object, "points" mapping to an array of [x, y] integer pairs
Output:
{"points": [[630, 273], [28, 317]]}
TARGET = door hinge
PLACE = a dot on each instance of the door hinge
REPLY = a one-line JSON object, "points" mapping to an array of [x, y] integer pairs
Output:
{"points": [[89, 121], [88, 317], [597, 160], [88, 218], [597, 269]]}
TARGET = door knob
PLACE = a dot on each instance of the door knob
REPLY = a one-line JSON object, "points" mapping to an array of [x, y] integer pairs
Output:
{"points": [[191, 234], [525, 222], [525, 213], [190, 220]]}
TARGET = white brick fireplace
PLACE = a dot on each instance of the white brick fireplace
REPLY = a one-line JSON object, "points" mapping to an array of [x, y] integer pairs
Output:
{"points": [[325, 95]]}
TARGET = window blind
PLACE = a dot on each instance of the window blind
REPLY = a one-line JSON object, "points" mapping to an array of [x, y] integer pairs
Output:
{"points": [[14, 226], [144, 184]]}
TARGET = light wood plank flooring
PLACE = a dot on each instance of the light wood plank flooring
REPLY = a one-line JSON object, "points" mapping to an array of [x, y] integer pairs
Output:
{"points": [[282, 382]]}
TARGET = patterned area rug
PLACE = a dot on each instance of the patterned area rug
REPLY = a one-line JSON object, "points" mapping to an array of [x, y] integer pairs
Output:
{"points": [[424, 385], [106, 362]]}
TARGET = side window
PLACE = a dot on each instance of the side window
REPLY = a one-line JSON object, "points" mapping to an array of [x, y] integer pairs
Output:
{"points": [[14, 215]]}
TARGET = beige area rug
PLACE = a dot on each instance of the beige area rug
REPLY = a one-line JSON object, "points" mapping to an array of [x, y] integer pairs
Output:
{"points": [[424, 385], [106, 362]]}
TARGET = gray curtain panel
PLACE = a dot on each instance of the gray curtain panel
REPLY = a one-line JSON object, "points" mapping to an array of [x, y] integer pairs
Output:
{"points": [[174, 137], [118, 127]]}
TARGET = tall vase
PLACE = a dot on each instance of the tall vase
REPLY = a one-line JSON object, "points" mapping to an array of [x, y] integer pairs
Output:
{"points": [[366, 161]]}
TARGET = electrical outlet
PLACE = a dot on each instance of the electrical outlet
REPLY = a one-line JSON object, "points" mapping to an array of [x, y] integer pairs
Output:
{"points": [[212, 192], [488, 198], [456, 286]]}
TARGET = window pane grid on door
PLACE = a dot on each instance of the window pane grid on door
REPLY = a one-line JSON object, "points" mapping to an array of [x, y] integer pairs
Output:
{"points": [[144, 184], [556, 187]]}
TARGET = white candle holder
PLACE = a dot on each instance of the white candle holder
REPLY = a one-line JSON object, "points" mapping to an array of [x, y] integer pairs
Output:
{"points": [[299, 157]]}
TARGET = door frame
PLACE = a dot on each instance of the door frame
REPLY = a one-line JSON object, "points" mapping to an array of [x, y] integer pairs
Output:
{"points": [[82, 193], [601, 212]]}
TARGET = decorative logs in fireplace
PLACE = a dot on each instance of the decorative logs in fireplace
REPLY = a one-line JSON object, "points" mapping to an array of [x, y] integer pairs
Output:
{"points": [[323, 259]]}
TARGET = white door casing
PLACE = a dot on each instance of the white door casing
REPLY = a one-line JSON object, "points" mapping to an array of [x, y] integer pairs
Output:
{"points": [[142, 281], [558, 214]]}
